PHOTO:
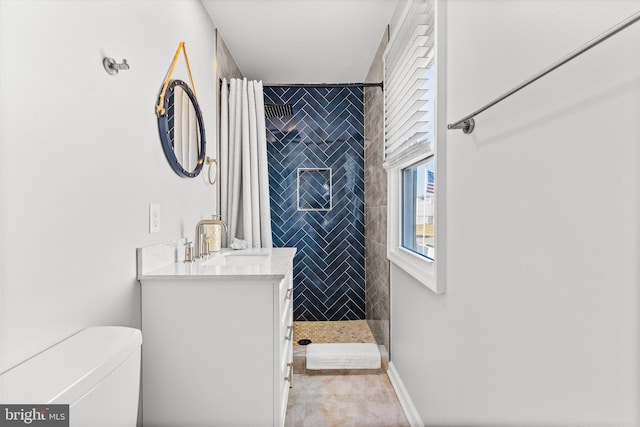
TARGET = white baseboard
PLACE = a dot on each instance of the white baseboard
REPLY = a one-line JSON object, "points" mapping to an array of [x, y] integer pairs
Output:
{"points": [[408, 407]]}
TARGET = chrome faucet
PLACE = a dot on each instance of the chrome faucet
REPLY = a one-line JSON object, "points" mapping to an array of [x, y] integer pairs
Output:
{"points": [[200, 234]]}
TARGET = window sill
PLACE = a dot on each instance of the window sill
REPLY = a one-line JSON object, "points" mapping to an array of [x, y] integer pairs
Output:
{"points": [[422, 269]]}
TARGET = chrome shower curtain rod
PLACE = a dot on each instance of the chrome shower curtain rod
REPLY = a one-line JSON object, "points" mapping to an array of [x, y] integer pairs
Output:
{"points": [[322, 85], [467, 123], [325, 85]]}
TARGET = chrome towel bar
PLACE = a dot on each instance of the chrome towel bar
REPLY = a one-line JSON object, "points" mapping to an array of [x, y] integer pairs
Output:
{"points": [[467, 124]]}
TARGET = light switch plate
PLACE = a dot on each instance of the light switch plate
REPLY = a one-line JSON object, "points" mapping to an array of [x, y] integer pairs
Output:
{"points": [[154, 218]]}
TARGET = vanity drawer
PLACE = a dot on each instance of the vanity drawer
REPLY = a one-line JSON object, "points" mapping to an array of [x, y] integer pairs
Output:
{"points": [[286, 367], [286, 334], [286, 358], [286, 302], [286, 290], [286, 374], [286, 293], [286, 314]]}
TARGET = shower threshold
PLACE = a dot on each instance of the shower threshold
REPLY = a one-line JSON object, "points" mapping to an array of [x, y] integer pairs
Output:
{"points": [[343, 331]]}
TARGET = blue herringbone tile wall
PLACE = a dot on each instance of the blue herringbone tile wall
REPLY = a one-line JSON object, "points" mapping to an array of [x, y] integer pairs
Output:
{"points": [[326, 130]]}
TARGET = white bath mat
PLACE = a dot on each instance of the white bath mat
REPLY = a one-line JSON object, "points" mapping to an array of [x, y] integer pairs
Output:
{"points": [[343, 356]]}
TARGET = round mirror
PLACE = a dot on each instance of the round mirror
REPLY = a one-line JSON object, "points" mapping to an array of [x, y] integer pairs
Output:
{"points": [[181, 130]]}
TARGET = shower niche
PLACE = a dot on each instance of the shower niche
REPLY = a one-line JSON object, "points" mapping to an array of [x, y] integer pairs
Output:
{"points": [[314, 189]]}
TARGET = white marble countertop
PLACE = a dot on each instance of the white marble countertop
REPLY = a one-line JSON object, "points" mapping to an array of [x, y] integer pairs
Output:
{"points": [[246, 264]]}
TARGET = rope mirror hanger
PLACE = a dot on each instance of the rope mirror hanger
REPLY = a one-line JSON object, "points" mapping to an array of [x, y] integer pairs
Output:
{"points": [[180, 123]]}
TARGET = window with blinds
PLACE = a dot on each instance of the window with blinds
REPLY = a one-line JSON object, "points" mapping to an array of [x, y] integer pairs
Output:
{"points": [[414, 146], [409, 84]]}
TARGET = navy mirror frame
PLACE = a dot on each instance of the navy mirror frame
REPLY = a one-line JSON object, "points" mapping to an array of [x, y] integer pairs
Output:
{"points": [[165, 136]]}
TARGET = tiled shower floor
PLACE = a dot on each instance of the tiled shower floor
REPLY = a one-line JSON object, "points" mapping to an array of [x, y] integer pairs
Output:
{"points": [[343, 331], [330, 331]]}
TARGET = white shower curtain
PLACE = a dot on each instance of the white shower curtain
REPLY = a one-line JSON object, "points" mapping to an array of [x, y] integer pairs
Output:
{"points": [[244, 178]]}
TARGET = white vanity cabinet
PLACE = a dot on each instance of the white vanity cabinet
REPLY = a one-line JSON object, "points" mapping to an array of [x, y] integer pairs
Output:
{"points": [[217, 342]]}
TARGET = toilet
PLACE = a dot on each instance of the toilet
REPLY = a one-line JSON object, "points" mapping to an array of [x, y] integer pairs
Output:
{"points": [[96, 372]]}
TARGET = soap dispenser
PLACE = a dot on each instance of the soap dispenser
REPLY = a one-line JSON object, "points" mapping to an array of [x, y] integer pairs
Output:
{"points": [[188, 251]]}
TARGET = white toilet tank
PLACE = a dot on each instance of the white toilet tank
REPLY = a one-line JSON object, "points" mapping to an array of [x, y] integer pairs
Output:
{"points": [[96, 372]]}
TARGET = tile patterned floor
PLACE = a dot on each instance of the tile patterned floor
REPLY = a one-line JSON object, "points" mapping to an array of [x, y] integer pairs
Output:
{"points": [[343, 401]]}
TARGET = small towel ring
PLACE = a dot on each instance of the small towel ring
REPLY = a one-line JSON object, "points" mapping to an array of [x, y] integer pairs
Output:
{"points": [[210, 162]]}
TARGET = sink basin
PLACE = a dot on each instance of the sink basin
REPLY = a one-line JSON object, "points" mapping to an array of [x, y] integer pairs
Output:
{"points": [[236, 258], [245, 259], [245, 254]]}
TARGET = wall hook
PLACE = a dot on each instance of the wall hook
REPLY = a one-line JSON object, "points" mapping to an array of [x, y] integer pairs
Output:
{"points": [[112, 67]]}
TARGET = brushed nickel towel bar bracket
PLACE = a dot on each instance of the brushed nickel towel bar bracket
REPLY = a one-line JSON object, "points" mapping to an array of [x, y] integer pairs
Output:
{"points": [[111, 66], [467, 124]]}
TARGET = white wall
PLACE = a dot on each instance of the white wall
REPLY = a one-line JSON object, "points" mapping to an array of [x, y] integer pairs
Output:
{"points": [[539, 325], [80, 159]]}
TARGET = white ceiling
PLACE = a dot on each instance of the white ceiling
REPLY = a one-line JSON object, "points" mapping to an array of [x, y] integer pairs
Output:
{"points": [[302, 41]]}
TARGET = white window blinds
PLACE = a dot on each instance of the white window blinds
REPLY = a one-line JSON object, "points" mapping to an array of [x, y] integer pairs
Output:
{"points": [[409, 84]]}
